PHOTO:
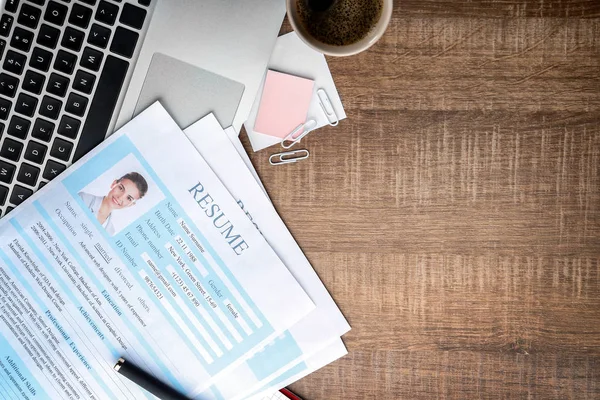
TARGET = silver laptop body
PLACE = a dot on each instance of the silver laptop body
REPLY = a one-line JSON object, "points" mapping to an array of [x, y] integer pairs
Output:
{"points": [[230, 38]]}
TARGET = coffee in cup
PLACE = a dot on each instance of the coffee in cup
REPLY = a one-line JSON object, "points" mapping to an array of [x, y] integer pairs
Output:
{"points": [[339, 22], [339, 27]]}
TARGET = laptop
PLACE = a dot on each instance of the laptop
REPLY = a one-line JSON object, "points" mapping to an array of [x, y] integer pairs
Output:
{"points": [[73, 71]]}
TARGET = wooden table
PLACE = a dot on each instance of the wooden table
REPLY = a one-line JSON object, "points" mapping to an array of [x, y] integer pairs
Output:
{"points": [[455, 215]]}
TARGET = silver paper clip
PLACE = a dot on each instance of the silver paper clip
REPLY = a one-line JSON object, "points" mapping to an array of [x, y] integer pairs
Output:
{"points": [[288, 157], [297, 134], [327, 107]]}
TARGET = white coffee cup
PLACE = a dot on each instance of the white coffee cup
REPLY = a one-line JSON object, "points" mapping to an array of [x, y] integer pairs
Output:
{"points": [[369, 40]]}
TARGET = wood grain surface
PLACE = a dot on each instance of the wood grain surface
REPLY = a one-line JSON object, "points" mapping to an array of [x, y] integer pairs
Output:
{"points": [[455, 215]]}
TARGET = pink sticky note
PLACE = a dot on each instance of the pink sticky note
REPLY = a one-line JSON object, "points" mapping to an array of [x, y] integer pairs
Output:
{"points": [[284, 104]]}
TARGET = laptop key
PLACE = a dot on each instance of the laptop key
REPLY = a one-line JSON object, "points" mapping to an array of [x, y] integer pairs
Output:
{"points": [[8, 85], [29, 16], [65, 62], [72, 39], [61, 149], [40, 59], [90, 2], [26, 104], [11, 149], [14, 62], [28, 174], [76, 104], [132, 16], [11, 5], [38, 2], [35, 152], [3, 196], [50, 107], [42, 129], [33, 82], [52, 170], [5, 24], [57, 84], [68, 127], [84, 82], [21, 39], [124, 42], [56, 13], [20, 194], [5, 106], [106, 13], [2, 47], [18, 127], [144, 2], [7, 171], [102, 105], [99, 36], [91, 59], [48, 36], [80, 16]]}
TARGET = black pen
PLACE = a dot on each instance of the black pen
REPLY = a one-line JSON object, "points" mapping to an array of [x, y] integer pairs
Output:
{"points": [[147, 381]]}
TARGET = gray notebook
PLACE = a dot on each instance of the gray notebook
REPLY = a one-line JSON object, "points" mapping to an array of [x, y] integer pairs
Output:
{"points": [[188, 93]]}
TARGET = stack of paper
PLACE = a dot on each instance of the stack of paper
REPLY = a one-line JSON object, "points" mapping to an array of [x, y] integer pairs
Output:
{"points": [[161, 247], [315, 340]]}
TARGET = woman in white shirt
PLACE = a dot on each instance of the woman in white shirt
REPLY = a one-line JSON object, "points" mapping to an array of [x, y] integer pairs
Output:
{"points": [[124, 192]]}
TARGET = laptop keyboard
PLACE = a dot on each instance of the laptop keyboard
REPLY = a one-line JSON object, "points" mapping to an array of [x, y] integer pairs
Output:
{"points": [[62, 68]]}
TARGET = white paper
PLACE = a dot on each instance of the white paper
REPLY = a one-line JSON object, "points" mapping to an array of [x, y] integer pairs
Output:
{"points": [[292, 56], [76, 295], [235, 141], [324, 357], [312, 333], [316, 361]]}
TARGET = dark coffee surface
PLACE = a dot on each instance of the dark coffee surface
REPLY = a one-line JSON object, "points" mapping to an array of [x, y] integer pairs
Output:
{"points": [[339, 22]]}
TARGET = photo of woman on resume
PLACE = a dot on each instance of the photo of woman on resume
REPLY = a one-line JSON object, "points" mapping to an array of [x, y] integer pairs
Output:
{"points": [[123, 193]]}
